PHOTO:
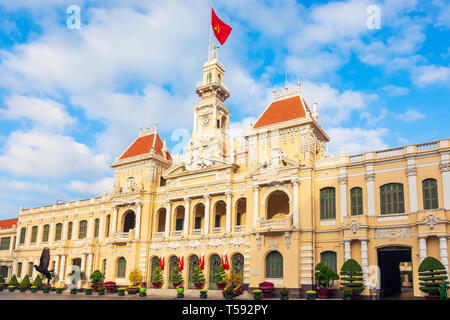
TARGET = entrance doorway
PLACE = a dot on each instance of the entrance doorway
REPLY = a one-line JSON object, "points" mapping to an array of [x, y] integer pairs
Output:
{"points": [[395, 271]]}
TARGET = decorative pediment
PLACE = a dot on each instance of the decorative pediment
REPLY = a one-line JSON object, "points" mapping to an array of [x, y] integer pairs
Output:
{"points": [[276, 162], [175, 169]]}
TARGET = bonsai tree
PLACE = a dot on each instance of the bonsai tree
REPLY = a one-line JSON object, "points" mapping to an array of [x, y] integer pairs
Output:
{"points": [[13, 281], [325, 275], [157, 277], [233, 281], [352, 277], [432, 273], [220, 274], [37, 282], [177, 278], [25, 281], [96, 277], [2, 281], [135, 277], [197, 277]]}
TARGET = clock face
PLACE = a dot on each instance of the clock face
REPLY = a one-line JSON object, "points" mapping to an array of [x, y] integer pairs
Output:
{"points": [[205, 120]]}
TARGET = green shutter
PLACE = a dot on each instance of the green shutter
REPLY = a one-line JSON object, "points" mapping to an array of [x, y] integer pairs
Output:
{"points": [[23, 232], [430, 196], [274, 265], [69, 234], [45, 234], [96, 227], [356, 201], [121, 268], [34, 231], [330, 259], [392, 198], [327, 203], [58, 232]]}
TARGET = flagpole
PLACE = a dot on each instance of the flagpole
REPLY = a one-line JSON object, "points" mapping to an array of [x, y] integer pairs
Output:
{"points": [[210, 32]]}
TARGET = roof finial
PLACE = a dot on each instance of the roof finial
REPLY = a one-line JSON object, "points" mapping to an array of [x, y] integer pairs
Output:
{"points": [[298, 86], [154, 137], [286, 83], [274, 92]]}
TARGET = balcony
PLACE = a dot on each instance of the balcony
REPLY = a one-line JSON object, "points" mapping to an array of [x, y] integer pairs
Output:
{"points": [[119, 237], [158, 235], [276, 224], [176, 233], [238, 229], [196, 232], [218, 230]]}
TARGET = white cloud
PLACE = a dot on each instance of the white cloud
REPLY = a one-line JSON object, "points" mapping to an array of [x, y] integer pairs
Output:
{"points": [[44, 113], [410, 116], [92, 188], [427, 75], [40, 154], [356, 140], [392, 90]]}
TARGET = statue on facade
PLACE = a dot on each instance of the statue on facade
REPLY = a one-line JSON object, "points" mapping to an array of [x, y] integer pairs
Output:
{"points": [[43, 264]]}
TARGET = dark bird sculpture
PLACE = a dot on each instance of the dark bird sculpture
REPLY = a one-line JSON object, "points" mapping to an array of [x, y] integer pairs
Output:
{"points": [[43, 264]]}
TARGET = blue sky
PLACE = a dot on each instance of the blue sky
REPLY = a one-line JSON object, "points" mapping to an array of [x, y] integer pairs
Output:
{"points": [[71, 100]]}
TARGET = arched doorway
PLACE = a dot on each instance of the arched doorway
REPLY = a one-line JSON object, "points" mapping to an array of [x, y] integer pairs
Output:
{"points": [[199, 215], [193, 262], [129, 221], [241, 210], [214, 263], [277, 205], [237, 262], [179, 218], [153, 265], [173, 262], [220, 210], [395, 270]]}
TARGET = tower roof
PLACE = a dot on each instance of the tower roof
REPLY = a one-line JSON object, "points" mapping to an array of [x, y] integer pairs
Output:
{"points": [[143, 145], [283, 110], [6, 224]]}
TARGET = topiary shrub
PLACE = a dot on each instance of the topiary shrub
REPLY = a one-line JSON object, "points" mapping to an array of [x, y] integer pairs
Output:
{"points": [[25, 281], [325, 275], [176, 275], [197, 275], [95, 277], [220, 274], [432, 273], [2, 280], [13, 281], [352, 277], [157, 276], [135, 277], [37, 282]]}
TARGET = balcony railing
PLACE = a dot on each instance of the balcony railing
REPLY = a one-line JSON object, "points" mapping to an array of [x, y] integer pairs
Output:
{"points": [[176, 233], [158, 235], [276, 223], [238, 229], [218, 230], [120, 236], [197, 232]]}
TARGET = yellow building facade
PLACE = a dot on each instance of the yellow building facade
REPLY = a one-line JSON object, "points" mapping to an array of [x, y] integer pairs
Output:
{"points": [[274, 203]]}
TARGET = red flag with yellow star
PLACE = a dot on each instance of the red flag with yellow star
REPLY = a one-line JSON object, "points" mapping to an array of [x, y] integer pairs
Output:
{"points": [[221, 29]]}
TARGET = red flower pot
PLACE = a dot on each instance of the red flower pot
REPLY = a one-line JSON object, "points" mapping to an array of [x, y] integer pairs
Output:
{"points": [[220, 286], [156, 285], [198, 286], [355, 296], [175, 285], [324, 293], [433, 297]]}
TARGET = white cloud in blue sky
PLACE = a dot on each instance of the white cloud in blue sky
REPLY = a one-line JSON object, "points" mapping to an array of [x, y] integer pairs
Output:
{"points": [[72, 100]]}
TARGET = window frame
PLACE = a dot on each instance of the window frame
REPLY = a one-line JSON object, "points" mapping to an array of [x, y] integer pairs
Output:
{"points": [[328, 203], [356, 201]]}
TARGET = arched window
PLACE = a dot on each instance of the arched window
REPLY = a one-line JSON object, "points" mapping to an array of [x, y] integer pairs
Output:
{"points": [[30, 269], [237, 262], [220, 213], [58, 231], [82, 231], [391, 198], [214, 263], [356, 198], [330, 259], [179, 218], [108, 224], [199, 214], [45, 233], [69, 232], [96, 227], [161, 220], [277, 205], [193, 262], [154, 264], [241, 210], [121, 268], [430, 196], [19, 269], [23, 233], [173, 262], [129, 221], [34, 232], [328, 203], [274, 265]]}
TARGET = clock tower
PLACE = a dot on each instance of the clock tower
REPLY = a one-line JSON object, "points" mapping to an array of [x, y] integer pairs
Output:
{"points": [[211, 116]]}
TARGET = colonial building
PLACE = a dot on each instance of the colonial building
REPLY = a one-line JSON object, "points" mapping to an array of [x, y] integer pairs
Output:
{"points": [[274, 203]]}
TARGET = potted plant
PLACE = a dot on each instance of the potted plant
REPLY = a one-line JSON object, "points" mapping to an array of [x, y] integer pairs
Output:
{"points": [[267, 288], [198, 278], [347, 293], [13, 281], [88, 291], [284, 294], [121, 292], [25, 283], [135, 277], [352, 278], [257, 294], [311, 295], [59, 290], [2, 281], [33, 289], [95, 278], [219, 278], [23, 288], [11, 288], [203, 293], [45, 288], [142, 292], [324, 277], [233, 281], [73, 290], [101, 291], [432, 273], [37, 282], [180, 291], [132, 289], [177, 278], [157, 277], [228, 293]]}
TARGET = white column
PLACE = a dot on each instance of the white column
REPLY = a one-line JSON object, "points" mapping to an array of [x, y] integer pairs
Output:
{"points": [[343, 196], [51, 236], [114, 222], [83, 262], [347, 250], [89, 230], [445, 172], [255, 206], [137, 228], [56, 264], [100, 231], [422, 248], [443, 250], [39, 234], [228, 212], [64, 232], [168, 214], [412, 183], [364, 261], [89, 266], [296, 213], [187, 202], [207, 204], [62, 269], [28, 234], [370, 178], [17, 237]]}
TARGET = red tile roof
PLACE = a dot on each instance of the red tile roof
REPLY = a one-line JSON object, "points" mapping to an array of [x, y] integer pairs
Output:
{"points": [[6, 224], [143, 145], [282, 110]]}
